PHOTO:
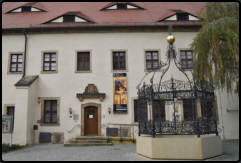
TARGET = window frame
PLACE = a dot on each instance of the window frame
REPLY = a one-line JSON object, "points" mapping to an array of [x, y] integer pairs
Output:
{"points": [[151, 60], [42, 119], [26, 7], [180, 60], [84, 60], [159, 58], [186, 59], [16, 63], [182, 14], [50, 61], [42, 71], [9, 72], [112, 60], [76, 61], [11, 114], [51, 111], [119, 60]]}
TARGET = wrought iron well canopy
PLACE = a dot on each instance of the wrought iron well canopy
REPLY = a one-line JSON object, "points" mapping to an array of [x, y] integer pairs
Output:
{"points": [[194, 99]]}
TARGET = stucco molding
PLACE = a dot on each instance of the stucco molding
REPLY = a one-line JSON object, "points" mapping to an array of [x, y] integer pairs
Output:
{"points": [[91, 91], [82, 113]]}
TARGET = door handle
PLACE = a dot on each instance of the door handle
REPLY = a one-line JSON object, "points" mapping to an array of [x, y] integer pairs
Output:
{"points": [[95, 120]]}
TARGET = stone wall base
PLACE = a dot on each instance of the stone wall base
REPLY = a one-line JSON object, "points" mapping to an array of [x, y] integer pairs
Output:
{"points": [[179, 147]]}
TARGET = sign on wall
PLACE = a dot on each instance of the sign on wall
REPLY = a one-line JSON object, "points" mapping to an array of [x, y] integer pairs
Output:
{"points": [[120, 92], [7, 123]]}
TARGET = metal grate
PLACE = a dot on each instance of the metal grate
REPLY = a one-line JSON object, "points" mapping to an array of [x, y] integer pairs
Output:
{"points": [[45, 137], [111, 131], [124, 133], [57, 138]]}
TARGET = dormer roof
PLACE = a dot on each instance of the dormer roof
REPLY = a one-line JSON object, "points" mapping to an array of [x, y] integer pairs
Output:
{"points": [[37, 5], [76, 13], [128, 3]]}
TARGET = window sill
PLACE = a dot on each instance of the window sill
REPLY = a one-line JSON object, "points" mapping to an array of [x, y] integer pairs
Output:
{"points": [[14, 73], [89, 71], [48, 72], [149, 70], [119, 71], [49, 124]]}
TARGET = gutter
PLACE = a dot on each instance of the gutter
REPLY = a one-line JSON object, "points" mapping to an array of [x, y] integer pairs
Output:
{"points": [[24, 52]]}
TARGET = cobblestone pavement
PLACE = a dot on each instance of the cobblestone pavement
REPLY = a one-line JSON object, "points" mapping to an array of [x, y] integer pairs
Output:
{"points": [[125, 152]]}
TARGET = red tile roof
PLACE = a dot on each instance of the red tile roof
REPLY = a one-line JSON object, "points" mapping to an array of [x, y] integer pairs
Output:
{"points": [[153, 11]]}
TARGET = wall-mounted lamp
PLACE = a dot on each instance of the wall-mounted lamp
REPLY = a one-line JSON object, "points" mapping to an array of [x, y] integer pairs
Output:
{"points": [[39, 100], [70, 110], [109, 109]]}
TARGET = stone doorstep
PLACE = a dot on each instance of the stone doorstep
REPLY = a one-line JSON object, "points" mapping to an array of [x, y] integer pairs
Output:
{"points": [[87, 141], [88, 144], [118, 138]]}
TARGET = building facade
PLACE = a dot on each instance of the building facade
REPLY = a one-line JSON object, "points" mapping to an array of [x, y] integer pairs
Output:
{"points": [[57, 56]]}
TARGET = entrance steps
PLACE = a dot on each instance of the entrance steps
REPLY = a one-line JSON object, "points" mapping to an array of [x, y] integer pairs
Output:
{"points": [[87, 141]]}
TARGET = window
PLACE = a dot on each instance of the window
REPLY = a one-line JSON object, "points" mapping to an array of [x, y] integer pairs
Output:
{"points": [[16, 63], [207, 109], [186, 59], [69, 18], [83, 61], [151, 59], [189, 110], [159, 110], [142, 111], [49, 61], [182, 17], [119, 61], [50, 111], [10, 111], [26, 9], [121, 6]]}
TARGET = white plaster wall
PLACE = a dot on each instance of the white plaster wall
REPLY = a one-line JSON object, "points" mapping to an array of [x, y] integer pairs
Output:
{"points": [[32, 105], [20, 124], [228, 121], [66, 83], [10, 44]]}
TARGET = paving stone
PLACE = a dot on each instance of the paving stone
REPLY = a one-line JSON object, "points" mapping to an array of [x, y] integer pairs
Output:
{"points": [[127, 152]]}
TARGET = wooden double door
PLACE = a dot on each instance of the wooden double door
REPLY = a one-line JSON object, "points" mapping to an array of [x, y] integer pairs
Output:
{"points": [[91, 121]]}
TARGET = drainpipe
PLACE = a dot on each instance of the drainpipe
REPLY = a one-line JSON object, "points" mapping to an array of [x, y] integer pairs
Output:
{"points": [[24, 53]]}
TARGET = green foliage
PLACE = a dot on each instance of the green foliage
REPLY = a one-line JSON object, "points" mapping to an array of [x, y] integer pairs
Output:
{"points": [[216, 46], [6, 147]]}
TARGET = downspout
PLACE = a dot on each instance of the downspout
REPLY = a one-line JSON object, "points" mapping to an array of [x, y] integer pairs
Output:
{"points": [[24, 53]]}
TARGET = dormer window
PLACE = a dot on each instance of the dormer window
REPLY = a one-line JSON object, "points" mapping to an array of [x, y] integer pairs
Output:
{"points": [[122, 6], [182, 17], [68, 18], [25, 9]]}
